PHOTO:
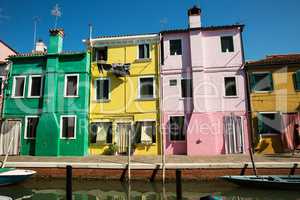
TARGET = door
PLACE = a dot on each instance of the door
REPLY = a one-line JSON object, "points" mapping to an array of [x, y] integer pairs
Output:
{"points": [[233, 134], [122, 133], [10, 137]]}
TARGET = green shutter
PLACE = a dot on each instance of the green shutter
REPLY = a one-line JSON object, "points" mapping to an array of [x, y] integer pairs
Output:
{"points": [[297, 80], [271, 81], [260, 125], [252, 81]]}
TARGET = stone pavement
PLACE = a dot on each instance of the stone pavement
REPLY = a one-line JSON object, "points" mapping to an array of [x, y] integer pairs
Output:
{"points": [[144, 162]]}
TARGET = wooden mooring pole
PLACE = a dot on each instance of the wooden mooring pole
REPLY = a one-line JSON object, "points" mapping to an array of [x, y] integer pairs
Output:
{"points": [[252, 160], [178, 185], [69, 182]]}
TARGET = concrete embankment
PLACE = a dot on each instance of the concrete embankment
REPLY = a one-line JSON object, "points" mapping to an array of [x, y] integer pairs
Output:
{"points": [[193, 168]]}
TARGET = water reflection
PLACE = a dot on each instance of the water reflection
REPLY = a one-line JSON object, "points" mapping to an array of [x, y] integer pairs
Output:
{"points": [[114, 190]]}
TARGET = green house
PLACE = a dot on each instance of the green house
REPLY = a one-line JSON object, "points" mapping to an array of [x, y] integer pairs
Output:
{"points": [[46, 101]]}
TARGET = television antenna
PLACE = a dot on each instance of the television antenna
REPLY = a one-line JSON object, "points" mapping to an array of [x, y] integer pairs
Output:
{"points": [[56, 12], [36, 19]]}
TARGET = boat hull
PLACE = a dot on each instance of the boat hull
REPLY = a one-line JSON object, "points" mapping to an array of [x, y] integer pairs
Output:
{"points": [[266, 182], [15, 176]]}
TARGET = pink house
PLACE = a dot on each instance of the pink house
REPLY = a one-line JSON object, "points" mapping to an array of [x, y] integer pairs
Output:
{"points": [[5, 51], [203, 90]]}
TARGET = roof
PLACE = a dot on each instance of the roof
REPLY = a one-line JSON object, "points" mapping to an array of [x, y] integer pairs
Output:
{"points": [[276, 60], [207, 28], [126, 35], [40, 54], [8, 46]]}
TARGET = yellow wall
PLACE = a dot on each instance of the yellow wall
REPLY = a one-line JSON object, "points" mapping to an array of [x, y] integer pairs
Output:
{"points": [[283, 98], [124, 103]]}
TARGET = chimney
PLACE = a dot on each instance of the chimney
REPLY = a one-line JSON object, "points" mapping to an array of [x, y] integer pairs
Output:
{"points": [[40, 47], [194, 14], [56, 40]]}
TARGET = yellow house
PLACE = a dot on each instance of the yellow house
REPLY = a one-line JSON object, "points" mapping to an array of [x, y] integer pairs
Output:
{"points": [[124, 100], [275, 102]]}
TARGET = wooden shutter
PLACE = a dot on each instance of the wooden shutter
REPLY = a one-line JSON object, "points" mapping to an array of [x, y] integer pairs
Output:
{"points": [[252, 81], [297, 80], [260, 125], [271, 81]]}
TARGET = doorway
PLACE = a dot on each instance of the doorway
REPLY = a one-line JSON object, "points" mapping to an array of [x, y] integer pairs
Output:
{"points": [[122, 137], [10, 137], [233, 134]]}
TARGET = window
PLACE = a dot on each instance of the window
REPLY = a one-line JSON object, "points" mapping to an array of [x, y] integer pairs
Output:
{"points": [[35, 86], [144, 51], [230, 86], [176, 127], [175, 47], [102, 89], [71, 85], [145, 132], [261, 82], [173, 82], [101, 133], [31, 123], [146, 88], [186, 88], [1, 85], [269, 123], [100, 54], [68, 126], [227, 44], [296, 79], [18, 86]]}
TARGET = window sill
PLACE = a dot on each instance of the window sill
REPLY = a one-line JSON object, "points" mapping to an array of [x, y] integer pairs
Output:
{"points": [[185, 98], [102, 101], [144, 144], [146, 99], [231, 97], [29, 138], [34, 97], [228, 52], [142, 60], [71, 96], [178, 141], [261, 92], [269, 134], [62, 138]]}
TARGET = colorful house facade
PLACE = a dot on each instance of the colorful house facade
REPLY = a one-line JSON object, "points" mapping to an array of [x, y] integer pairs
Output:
{"points": [[5, 51], [46, 101], [124, 101], [274, 90], [204, 100]]}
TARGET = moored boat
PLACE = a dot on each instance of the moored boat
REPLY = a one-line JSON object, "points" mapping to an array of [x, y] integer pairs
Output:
{"points": [[270, 182], [10, 176]]}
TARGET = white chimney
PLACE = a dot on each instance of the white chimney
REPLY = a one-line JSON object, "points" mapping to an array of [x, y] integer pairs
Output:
{"points": [[40, 46], [194, 14]]}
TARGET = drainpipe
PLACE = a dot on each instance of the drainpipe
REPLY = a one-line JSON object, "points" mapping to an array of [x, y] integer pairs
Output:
{"points": [[163, 156], [248, 90]]}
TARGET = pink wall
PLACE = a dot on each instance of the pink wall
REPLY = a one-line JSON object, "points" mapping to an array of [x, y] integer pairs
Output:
{"points": [[5, 51], [206, 133], [204, 62]]}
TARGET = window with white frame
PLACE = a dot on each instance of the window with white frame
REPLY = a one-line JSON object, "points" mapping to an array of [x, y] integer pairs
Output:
{"points": [[31, 123], [144, 51], [68, 126], [230, 86], [19, 86], [145, 132], [101, 133], [146, 87], [186, 88], [175, 47], [1, 85], [35, 86], [176, 128], [227, 44], [102, 87], [71, 85]]}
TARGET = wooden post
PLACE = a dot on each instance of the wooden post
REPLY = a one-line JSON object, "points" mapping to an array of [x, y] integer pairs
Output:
{"points": [[178, 185], [129, 148], [252, 160], [292, 171], [69, 182]]}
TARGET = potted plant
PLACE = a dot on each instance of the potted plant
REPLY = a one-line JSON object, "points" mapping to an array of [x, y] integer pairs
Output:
{"points": [[112, 149]]}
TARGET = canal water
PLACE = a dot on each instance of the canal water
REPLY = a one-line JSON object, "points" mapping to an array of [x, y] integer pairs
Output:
{"points": [[46, 189]]}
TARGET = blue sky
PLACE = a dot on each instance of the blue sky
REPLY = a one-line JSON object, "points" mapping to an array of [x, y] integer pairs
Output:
{"points": [[272, 26]]}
